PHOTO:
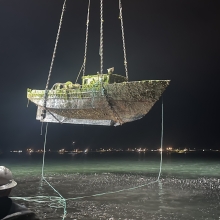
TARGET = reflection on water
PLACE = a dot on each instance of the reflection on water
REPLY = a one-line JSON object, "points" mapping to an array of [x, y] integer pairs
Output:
{"points": [[189, 187]]}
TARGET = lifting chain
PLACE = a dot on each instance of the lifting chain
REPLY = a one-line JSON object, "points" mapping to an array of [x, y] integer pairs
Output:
{"points": [[83, 68], [101, 37], [123, 39], [52, 61]]}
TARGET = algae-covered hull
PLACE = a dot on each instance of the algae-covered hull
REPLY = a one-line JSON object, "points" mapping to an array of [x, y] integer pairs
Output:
{"points": [[111, 104]]}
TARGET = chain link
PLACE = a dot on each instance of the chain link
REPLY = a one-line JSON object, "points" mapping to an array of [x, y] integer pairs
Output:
{"points": [[123, 39], [53, 57], [101, 37], [83, 67]]}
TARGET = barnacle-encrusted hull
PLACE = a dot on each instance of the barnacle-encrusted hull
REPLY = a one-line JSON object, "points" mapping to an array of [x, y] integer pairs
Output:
{"points": [[109, 104]]}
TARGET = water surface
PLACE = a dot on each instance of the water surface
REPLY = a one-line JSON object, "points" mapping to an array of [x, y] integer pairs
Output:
{"points": [[189, 187]]}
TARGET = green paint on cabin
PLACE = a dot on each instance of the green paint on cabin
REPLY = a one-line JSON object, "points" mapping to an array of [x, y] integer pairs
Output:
{"points": [[90, 84], [104, 78]]}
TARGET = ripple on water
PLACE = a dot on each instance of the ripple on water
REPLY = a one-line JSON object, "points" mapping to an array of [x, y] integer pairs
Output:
{"points": [[171, 198]]}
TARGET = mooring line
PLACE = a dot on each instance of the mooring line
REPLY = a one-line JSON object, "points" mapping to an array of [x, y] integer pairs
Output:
{"points": [[62, 201]]}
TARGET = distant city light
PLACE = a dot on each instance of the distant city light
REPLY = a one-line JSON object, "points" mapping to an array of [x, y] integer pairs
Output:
{"points": [[16, 151], [30, 150], [139, 150]]}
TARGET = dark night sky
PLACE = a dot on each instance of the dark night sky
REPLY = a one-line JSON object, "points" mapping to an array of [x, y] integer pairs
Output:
{"points": [[177, 40]]}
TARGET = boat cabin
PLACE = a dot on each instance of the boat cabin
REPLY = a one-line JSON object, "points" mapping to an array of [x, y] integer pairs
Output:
{"points": [[90, 81], [107, 78]]}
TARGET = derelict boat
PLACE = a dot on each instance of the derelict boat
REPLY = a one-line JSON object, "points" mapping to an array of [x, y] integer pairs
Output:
{"points": [[102, 99]]}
